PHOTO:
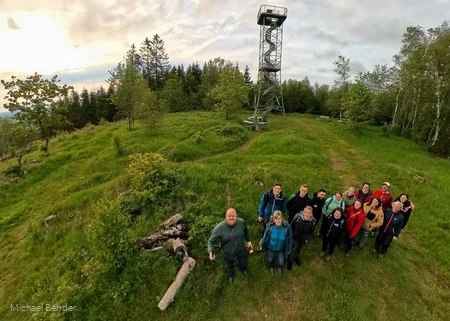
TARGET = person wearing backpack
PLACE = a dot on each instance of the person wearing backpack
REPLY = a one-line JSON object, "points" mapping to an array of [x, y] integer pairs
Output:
{"points": [[303, 225], [330, 205], [277, 242], [297, 202], [271, 201], [334, 228], [354, 220]]}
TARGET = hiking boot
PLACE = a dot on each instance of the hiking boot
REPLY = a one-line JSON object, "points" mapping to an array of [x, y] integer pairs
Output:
{"points": [[322, 254], [327, 257], [298, 262], [347, 254], [272, 272], [289, 266], [279, 271], [230, 280], [372, 251], [380, 256]]}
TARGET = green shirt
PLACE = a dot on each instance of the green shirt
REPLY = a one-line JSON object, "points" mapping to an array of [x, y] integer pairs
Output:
{"points": [[231, 238]]}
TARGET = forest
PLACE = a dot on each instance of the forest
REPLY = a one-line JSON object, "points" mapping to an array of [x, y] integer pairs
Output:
{"points": [[410, 98]]}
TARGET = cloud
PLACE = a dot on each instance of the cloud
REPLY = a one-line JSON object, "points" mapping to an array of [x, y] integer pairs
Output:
{"points": [[315, 32], [356, 67], [12, 24]]}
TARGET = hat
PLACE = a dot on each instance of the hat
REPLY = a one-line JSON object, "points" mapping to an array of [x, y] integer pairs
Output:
{"points": [[387, 183]]}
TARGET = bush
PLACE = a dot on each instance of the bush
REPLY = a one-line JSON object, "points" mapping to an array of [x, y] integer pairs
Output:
{"points": [[153, 183], [103, 121], [14, 171]]}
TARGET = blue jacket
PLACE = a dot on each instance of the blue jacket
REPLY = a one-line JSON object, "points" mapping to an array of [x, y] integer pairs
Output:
{"points": [[269, 203], [287, 237], [392, 226]]}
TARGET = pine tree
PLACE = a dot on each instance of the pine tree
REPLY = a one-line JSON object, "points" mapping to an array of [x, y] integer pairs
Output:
{"points": [[134, 59], [247, 77]]}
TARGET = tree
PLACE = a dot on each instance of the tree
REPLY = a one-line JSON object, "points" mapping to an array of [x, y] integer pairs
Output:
{"points": [[342, 69], [247, 77], [155, 62], [16, 139], [210, 78], [134, 59], [230, 91], [356, 105], [172, 94], [341, 84], [134, 99], [33, 99], [116, 75]]}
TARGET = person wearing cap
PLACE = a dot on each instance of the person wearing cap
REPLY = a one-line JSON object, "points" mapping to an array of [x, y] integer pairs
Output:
{"points": [[385, 195]]}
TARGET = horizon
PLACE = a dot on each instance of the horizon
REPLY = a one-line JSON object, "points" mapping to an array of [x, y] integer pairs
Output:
{"points": [[81, 42]]}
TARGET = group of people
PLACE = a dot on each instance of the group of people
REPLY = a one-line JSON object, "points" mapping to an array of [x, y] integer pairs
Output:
{"points": [[348, 220]]}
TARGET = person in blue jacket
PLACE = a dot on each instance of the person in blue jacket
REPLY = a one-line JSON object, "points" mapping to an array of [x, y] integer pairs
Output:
{"points": [[390, 230], [271, 201], [277, 242]]}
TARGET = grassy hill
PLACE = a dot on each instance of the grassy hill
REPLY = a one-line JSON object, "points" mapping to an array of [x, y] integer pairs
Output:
{"points": [[86, 257]]}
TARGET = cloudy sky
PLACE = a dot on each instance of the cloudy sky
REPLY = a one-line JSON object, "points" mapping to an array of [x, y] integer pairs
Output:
{"points": [[80, 40]]}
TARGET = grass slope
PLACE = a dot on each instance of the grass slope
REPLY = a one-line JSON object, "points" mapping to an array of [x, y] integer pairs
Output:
{"points": [[39, 266]]}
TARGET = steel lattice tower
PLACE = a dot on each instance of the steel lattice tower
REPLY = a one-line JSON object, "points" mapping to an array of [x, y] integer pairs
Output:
{"points": [[269, 96]]}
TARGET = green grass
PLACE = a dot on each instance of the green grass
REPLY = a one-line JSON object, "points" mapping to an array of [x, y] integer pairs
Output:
{"points": [[54, 265]]}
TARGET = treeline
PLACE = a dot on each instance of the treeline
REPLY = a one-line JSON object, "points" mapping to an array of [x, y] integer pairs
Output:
{"points": [[410, 98]]}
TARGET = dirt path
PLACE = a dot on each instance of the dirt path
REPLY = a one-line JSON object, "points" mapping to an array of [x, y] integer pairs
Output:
{"points": [[220, 155], [339, 161]]}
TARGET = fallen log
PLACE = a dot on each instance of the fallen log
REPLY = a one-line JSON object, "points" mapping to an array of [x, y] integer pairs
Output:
{"points": [[172, 291], [176, 246], [148, 241], [172, 221]]}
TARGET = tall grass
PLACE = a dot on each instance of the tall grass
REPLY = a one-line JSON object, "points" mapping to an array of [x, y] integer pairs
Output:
{"points": [[68, 262]]}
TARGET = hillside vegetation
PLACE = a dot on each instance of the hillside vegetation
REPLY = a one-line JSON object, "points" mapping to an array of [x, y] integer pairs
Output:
{"points": [[87, 258]]}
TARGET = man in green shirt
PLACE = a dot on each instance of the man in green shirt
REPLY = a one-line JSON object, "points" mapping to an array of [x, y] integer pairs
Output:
{"points": [[231, 233]]}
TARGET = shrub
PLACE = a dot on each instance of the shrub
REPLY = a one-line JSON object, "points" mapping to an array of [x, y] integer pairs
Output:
{"points": [[103, 121], [14, 171], [153, 182]]}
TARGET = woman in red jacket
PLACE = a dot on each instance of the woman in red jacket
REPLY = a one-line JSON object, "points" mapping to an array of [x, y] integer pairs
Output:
{"points": [[354, 220]]}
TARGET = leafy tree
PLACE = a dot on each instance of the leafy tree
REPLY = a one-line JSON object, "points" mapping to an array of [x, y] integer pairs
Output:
{"points": [[135, 100], [173, 94], [356, 104], [230, 91], [210, 78], [33, 100], [341, 84], [16, 139]]}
